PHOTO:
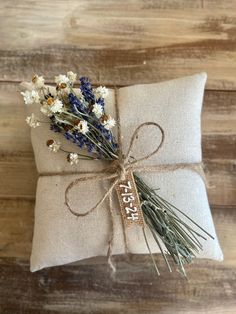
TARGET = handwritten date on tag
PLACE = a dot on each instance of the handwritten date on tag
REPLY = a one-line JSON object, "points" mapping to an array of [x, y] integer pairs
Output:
{"points": [[129, 200]]}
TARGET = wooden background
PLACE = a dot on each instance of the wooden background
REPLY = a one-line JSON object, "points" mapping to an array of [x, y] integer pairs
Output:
{"points": [[116, 42]]}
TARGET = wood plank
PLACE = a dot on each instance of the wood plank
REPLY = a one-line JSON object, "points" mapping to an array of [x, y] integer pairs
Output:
{"points": [[114, 67], [216, 146], [17, 218], [225, 220], [18, 179], [101, 24], [87, 288], [219, 113], [221, 179], [116, 43], [16, 225]]}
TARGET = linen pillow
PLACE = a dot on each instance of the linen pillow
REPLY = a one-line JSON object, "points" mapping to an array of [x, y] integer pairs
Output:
{"points": [[61, 238]]}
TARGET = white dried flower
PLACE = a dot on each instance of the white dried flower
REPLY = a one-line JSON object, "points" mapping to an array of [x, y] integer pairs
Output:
{"points": [[109, 123], [56, 106], [32, 121], [53, 145], [38, 81], [101, 92], [30, 97], [97, 110], [62, 79], [82, 127], [45, 109], [71, 76], [73, 158]]}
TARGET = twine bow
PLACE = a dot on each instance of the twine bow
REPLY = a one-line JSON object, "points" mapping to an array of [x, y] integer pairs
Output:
{"points": [[116, 170]]}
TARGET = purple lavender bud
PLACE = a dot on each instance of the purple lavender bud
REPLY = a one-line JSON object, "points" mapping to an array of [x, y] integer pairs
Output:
{"points": [[86, 90]]}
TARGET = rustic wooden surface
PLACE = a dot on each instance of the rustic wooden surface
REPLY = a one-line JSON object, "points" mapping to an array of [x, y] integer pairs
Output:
{"points": [[116, 43]]}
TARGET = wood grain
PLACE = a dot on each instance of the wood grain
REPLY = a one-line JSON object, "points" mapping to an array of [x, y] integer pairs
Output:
{"points": [[123, 24], [86, 288], [115, 42], [118, 67]]}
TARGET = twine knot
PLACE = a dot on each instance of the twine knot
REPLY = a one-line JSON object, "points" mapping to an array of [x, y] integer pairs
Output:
{"points": [[120, 168]]}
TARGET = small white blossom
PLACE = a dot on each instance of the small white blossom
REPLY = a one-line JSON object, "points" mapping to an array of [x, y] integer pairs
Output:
{"points": [[71, 76], [73, 158], [82, 127], [30, 97], [32, 121], [97, 110], [56, 106], [62, 79], [101, 92], [53, 146], [45, 109], [38, 81], [109, 123]]}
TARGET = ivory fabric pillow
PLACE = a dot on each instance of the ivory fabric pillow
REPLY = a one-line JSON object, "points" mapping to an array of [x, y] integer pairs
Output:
{"points": [[61, 238]]}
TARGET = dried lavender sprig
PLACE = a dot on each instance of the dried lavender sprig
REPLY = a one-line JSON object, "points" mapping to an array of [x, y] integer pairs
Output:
{"points": [[90, 120], [109, 149]]}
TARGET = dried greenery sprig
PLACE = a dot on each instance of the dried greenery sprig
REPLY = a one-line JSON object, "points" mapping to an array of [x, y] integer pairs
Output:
{"points": [[81, 118], [180, 240]]}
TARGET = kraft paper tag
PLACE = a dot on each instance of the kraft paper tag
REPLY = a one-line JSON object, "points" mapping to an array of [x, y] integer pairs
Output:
{"points": [[129, 201]]}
